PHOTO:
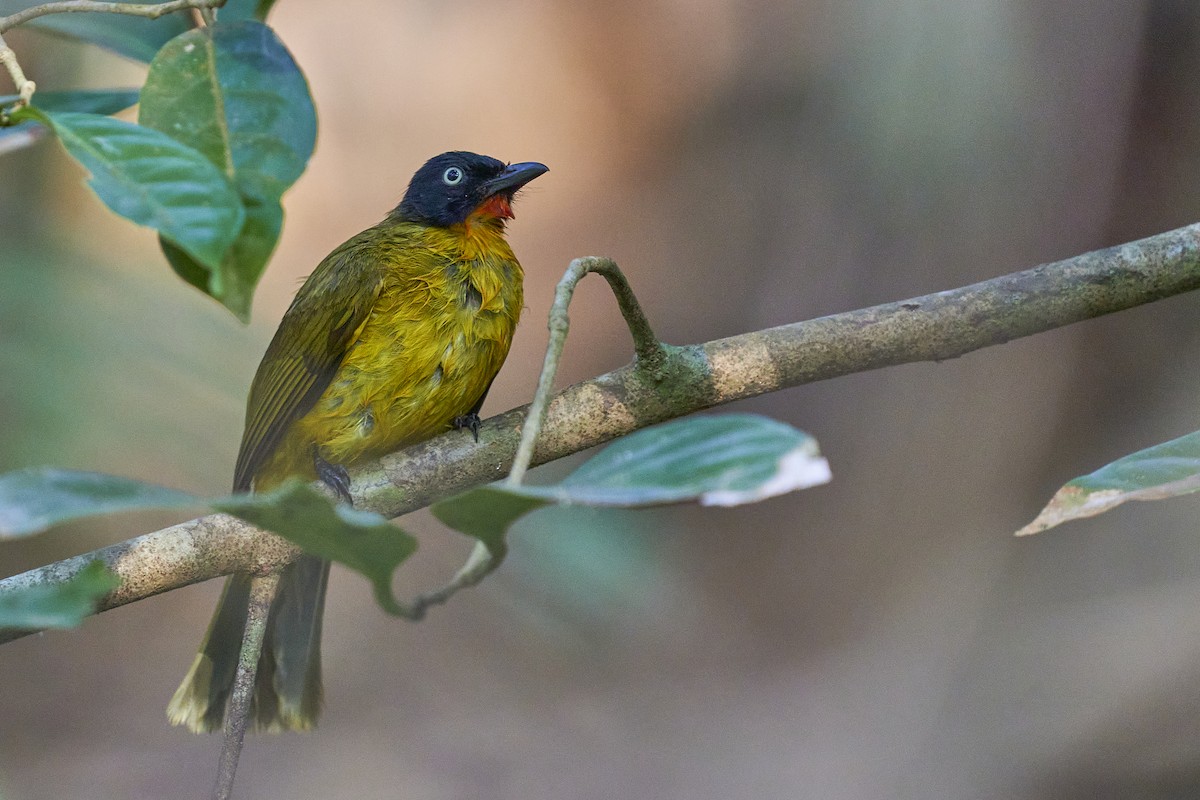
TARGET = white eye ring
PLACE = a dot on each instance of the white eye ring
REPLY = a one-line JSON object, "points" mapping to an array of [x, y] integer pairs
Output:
{"points": [[452, 176]]}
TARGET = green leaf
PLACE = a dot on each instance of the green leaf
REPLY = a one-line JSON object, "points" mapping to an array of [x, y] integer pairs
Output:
{"points": [[1165, 470], [723, 460], [362, 540], [233, 283], [32, 500], [233, 92], [98, 101], [715, 460], [62, 605], [151, 179], [486, 514]]}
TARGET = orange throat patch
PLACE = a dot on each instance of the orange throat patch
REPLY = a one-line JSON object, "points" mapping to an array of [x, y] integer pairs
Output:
{"points": [[498, 206]]}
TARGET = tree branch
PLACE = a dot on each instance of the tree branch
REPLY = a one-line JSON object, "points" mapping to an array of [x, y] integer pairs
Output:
{"points": [[934, 327]]}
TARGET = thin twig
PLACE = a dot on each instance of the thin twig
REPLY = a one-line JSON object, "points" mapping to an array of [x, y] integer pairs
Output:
{"points": [[237, 714], [132, 9], [479, 564], [935, 327], [650, 352], [25, 87]]}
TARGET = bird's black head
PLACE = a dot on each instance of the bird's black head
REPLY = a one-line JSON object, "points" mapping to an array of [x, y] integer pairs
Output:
{"points": [[453, 186]]}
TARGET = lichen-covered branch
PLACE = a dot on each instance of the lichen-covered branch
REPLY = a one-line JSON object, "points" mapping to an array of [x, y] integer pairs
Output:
{"points": [[934, 327], [167, 559]]}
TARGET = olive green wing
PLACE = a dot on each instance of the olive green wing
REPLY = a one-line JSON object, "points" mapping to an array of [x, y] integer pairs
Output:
{"points": [[314, 336]]}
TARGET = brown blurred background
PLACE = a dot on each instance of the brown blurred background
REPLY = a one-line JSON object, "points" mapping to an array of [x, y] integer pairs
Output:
{"points": [[748, 164]]}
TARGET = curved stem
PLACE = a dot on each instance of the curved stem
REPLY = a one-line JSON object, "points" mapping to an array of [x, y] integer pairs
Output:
{"points": [[25, 87], [479, 564], [650, 352]]}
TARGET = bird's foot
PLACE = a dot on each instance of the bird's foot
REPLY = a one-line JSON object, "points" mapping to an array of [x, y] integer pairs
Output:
{"points": [[470, 421], [334, 476]]}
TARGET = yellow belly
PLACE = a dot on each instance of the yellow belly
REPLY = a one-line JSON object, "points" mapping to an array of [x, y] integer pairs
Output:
{"points": [[433, 342]]}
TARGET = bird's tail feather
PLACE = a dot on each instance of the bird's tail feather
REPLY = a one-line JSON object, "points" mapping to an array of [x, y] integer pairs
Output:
{"points": [[287, 694]]}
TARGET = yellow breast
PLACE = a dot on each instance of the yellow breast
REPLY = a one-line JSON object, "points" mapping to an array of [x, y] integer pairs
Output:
{"points": [[434, 339]]}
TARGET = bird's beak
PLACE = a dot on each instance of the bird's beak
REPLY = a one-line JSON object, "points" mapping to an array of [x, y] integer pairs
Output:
{"points": [[514, 177]]}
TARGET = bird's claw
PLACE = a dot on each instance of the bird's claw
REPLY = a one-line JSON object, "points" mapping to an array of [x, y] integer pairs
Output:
{"points": [[470, 421], [334, 476]]}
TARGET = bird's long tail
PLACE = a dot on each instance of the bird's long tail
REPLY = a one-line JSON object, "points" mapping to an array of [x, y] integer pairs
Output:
{"points": [[287, 693]]}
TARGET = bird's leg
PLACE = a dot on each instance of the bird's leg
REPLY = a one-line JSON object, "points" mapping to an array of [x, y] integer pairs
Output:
{"points": [[334, 476], [470, 421]]}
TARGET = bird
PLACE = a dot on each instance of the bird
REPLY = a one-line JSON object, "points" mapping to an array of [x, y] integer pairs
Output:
{"points": [[395, 337]]}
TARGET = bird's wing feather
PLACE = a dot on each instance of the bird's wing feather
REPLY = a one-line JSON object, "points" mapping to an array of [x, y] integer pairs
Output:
{"points": [[313, 338]]}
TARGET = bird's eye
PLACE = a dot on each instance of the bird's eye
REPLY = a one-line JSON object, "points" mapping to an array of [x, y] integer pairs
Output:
{"points": [[452, 177]]}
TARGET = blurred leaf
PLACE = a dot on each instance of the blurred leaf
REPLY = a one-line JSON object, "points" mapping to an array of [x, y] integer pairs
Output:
{"points": [[32, 500], [18, 137], [722, 460], [62, 605], [234, 93], [1166, 470], [151, 179], [133, 37], [138, 38], [362, 540], [89, 101], [610, 565], [95, 101], [236, 10]]}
